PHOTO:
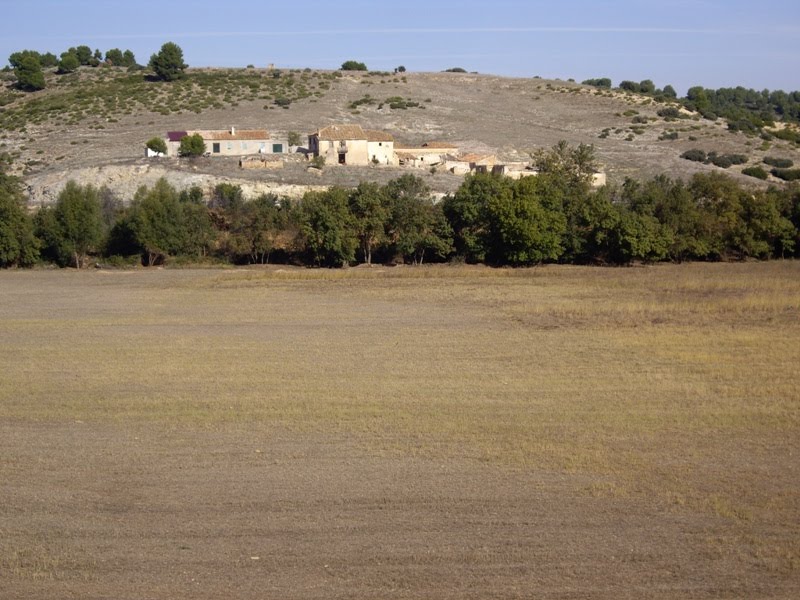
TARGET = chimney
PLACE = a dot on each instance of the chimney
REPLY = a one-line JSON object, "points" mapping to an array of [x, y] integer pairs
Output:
{"points": [[233, 131]]}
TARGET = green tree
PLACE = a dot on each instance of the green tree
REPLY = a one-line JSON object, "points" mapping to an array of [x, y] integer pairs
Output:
{"points": [[16, 58], [466, 212], [669, 91], [18, 244], [48, 60], [698, 98], [114, 57], [192, 146], [353, 65], [369, 207], [29, 74], [78, 221], [526, 224], [228, 197], [157, 222], [68, 63], [200, 234], [84, 54], [255, 229], [157, 144], [128, 59], [416, 225], [168, 64], [647, 87], [326, 228], [294, 138], [602, 82]]}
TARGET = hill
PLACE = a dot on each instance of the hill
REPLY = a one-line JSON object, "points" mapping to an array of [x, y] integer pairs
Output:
{"points": [[91, 125]]}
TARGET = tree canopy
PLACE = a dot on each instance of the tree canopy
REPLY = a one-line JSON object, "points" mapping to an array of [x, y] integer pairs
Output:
{"points": [[168, 63], [353, 65]]}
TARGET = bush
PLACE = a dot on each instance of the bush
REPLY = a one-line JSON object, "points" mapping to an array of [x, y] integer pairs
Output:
{"points": [[318, 162], [192, 145], [68, 63], [756, 172], [780, 163], [786, 174], [787, 135], [602, 82], [455, 70], [157, 144], [669, 112], [695, 155], [668, 136], [352, 65]]}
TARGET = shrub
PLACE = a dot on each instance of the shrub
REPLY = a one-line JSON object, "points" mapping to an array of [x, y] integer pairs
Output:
{"points": [[352, 65], [695, 155], [294, 138], [788, 135], [670, 112], [602, 82], [283, 102], [157, 144], [756, 172], [455, 70], [668, 136], [318, 162], [780, 163], [68, 63], [786, 174]]}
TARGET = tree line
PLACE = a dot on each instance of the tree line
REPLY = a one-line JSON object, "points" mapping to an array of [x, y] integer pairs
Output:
{"points": [[554, 217], [745, 109], [28, 65]]}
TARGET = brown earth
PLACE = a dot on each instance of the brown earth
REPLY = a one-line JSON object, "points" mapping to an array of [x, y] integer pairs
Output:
{"points": [[442, 432], [483, 113]]}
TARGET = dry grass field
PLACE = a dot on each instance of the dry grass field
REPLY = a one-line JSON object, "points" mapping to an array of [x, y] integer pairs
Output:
{"points": [[439, 432]]}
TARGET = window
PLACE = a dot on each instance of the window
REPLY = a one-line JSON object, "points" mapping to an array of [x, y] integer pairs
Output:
{"points": [[215, 147], [244, 145], [230, 145], [277, 148]]}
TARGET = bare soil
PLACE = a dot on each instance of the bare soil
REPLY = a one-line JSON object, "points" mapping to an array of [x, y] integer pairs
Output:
{"points": [[439, 432], [480, 113]]}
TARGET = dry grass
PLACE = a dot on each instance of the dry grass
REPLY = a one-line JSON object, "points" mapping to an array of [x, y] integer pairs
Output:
{"points": [[674, 385]]}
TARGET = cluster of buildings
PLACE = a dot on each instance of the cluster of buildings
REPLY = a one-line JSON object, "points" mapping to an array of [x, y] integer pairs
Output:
{"points": [[349, 144]]}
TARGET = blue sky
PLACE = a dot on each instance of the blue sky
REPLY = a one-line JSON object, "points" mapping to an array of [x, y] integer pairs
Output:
{"points": [[713, 43]]}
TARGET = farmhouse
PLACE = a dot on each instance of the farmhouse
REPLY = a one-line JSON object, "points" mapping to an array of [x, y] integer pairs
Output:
{"points": [[428, 154], [347, 144], [231, 142]]}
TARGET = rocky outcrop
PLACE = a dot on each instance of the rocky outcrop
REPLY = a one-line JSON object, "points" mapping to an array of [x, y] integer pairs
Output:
{"points": [[124, 180]]}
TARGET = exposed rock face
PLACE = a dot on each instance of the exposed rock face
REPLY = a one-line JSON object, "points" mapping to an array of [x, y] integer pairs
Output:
{"points": [[124, 180]]}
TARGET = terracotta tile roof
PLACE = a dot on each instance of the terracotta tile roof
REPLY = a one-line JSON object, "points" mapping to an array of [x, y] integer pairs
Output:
{"points": [[341, 132], [476, 158], [224, 135], [374, 135]]}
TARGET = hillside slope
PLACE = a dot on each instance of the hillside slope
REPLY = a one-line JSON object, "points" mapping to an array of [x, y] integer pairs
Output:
{"points": [[92, 125]]}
